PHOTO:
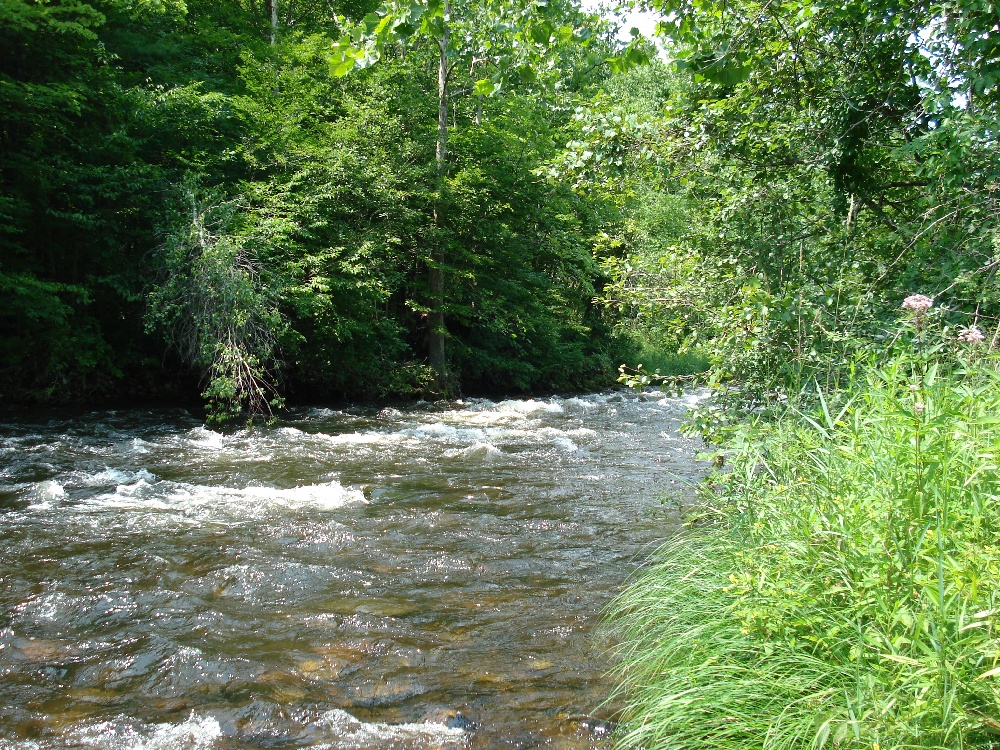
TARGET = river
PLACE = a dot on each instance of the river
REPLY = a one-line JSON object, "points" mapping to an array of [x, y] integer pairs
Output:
{"points": [[424, 577]]}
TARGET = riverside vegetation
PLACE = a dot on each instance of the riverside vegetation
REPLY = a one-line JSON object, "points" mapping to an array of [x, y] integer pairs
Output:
{"points": [[840, 588], [197, 198], [296, 200], [813, 170]]}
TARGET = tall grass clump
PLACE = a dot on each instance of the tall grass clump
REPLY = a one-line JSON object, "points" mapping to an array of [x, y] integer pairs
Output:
{"points": [[844, 590]]}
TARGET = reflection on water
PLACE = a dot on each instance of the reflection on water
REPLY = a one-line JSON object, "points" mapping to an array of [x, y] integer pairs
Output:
{"points": [[424, 578]]}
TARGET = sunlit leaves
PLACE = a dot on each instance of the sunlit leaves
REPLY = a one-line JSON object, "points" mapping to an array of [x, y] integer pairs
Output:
{"points": [[485, 87], [509, 39], [635, 54]]}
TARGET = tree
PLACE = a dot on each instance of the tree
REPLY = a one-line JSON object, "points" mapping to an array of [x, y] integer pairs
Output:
{"points": [[497, 44], [829, 158], [218, 306]]}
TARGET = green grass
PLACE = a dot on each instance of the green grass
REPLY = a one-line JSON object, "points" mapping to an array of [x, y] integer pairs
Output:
{"points": [[841, 588], [670, 364]]}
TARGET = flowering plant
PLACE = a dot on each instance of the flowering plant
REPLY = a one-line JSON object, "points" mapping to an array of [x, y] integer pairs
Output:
{"points": [[918, 303], [971, 335]]}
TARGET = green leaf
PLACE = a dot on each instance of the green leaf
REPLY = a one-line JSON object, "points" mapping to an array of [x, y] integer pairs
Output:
{"points": [[382, 24], [540, 33], [404, 30], [342, 68], [485, 87]]}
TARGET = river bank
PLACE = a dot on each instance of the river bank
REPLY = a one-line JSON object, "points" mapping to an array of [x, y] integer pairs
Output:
{"points": [[842, 588]]}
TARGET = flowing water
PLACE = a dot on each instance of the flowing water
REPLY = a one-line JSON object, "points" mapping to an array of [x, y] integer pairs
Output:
{"points": [[422, 578]]}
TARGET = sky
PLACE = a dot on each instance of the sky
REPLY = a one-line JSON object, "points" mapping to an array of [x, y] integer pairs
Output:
{"points": [[643, 20]]}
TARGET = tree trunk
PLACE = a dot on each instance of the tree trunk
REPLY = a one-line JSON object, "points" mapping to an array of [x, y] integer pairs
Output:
{"points": [[274, 21], [436, 331]]}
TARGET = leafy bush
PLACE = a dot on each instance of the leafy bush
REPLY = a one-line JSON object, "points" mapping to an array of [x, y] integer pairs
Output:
{"points": [[219, 309], [846, 592]]}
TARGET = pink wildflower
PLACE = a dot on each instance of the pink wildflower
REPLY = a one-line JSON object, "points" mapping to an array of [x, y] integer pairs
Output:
{"points": [[918, 303], [918, 408], [971, 336]]}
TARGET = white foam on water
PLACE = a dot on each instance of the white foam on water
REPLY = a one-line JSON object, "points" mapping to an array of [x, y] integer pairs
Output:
{"points": [[109, 476], [584, 435], [197, 733], [191, 735], [139, 495], [322, 413], [138, 445], [478, 451], [437, 429], [362, 438], [558, 438], [486, 418], [354, 733], [45, 494], [565, 444], [529, 406], [204, 501], [204, 438], [325, 496], [484, 413], [442, 431], [501, 434], [695, 397]]}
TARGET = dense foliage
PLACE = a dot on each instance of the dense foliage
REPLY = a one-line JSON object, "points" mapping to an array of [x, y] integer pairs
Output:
{"points": [[191, 195], [793, 171]]}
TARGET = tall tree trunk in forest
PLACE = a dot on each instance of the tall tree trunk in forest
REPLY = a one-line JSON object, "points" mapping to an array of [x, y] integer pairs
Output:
{"points": [[274, 21], [436, 331]]}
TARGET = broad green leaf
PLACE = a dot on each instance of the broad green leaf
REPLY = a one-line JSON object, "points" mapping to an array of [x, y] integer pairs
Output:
{"points": [[342, 68], [485, 87]]}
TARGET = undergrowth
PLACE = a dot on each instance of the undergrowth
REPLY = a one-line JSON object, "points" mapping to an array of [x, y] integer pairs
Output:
{"points": [[669, 364], [840, 586]]}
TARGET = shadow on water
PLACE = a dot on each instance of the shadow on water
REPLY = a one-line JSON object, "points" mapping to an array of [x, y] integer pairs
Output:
{"points": [[424, 578]]}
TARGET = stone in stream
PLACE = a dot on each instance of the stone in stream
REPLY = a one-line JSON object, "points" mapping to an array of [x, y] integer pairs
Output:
{"points": [[385, 693], [92, 695], [589, 724], [451, 718], [46, 651]]}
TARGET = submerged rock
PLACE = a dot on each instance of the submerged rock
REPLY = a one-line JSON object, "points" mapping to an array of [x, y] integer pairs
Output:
{"points": [[589, 724], [386, 693], [451, 718]]}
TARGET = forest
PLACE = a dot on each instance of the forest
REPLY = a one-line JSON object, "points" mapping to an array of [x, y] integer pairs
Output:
{"points": [[255, 202], [795, 203], [196, 198]]}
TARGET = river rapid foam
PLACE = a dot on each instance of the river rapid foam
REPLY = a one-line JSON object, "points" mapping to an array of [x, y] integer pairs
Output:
{"points": [[419, 577]]}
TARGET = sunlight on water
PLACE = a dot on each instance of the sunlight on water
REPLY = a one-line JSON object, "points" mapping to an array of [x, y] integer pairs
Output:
{"points": [[421, 577]]}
